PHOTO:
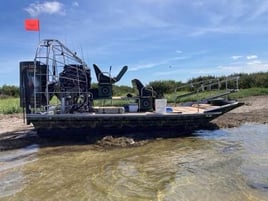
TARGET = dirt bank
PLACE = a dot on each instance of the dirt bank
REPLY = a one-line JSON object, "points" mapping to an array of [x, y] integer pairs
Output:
{"points": [[12, 123], [255, 110]]}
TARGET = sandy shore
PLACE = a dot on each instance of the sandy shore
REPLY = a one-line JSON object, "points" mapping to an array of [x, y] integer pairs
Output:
{"points": [[12, 123], [255, 110]]}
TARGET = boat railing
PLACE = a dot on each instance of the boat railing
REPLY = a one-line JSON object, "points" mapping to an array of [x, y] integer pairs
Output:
{"points": [[219, 87]]}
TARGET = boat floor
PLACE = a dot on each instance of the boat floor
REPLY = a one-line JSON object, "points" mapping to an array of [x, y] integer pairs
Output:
{"points": [[195, 108], [177, 110]]}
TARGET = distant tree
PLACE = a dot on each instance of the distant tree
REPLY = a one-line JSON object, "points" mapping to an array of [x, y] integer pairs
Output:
{"points": [[201, 79], [253, 80], [261, 79], [164, 86], [246, 81], [9, 90], [122, 90]]}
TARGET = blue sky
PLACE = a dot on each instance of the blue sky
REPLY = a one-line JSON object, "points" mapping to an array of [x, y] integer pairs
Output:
{"points": [[157, 39]]}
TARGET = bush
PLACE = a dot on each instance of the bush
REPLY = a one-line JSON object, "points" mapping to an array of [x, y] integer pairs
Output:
{"points": [[165, 86], [11, 91]]}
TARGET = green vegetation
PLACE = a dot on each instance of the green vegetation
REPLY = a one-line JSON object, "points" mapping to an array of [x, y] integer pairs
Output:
{"points": [[10, 105], [242, 93], [249, 92], [249, 84], [122, 90], [9, 91], [9, 100], [246, 81]]}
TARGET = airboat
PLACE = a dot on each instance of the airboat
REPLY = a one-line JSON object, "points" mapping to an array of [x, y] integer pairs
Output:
{"points": [[57, 95]]}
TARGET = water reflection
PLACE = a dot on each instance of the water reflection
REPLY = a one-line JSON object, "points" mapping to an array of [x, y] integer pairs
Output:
{"points": [[11, 165], [230, 164]]}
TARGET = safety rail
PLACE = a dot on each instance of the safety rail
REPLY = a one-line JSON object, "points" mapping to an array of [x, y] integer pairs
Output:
{"points": [[221, 85]]}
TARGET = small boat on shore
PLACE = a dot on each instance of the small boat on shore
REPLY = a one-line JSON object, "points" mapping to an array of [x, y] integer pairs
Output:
{"points": [[57, 96]]}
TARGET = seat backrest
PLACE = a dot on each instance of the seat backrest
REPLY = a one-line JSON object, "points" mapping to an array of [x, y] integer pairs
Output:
{"points": [[142, 90], [101, 77], [121, 73]]}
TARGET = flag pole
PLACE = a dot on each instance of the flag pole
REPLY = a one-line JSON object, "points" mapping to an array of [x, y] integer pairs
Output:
{"points": [[38, 36], [38, 32]]}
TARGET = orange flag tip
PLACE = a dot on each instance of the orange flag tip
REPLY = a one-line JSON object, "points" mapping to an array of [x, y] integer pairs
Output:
{"points": [[32, 24]]}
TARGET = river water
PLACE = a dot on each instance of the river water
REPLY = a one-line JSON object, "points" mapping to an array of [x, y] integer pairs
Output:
{"points": [[227, 164]]}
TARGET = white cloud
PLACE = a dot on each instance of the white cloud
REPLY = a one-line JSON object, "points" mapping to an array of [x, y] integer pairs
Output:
{"points": [[144, 66], [251, 57], [156, 64], [254, 62], [214, 18], [260, 10], [236, 57], [48, 7], [75, 4], [250, 67], [214, 29]]}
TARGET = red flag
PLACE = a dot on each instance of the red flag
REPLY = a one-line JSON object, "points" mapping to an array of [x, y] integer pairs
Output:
{"points": [[32, 24]]}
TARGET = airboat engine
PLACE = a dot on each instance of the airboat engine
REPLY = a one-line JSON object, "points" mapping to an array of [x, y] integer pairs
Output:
{"points": [[57, 81]]}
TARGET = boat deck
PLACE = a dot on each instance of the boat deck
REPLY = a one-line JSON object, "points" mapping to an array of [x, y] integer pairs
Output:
{"points": [[187, 110], [195, 108]]}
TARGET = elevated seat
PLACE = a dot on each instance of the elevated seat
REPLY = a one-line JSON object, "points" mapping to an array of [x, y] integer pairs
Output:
{"points": [[142, 90], [146, 95], [105, 82], [102, 78]]}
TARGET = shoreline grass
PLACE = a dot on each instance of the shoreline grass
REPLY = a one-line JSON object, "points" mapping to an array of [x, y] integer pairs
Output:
{"points": [[10, 105]]}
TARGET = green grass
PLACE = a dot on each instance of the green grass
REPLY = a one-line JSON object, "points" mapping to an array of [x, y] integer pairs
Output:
{"points": [[10, 105], [242, 93]]}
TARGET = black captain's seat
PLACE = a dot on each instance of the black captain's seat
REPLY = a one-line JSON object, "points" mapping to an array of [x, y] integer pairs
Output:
{"points": [[103, 78], [105, 83], [142, 90], [146, 96]]}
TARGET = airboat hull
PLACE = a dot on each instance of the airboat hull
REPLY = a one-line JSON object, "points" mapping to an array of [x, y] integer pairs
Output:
{"points": [[89, 123]]}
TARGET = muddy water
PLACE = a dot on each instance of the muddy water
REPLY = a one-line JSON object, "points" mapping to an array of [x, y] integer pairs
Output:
{"points": [[229, 164]]}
